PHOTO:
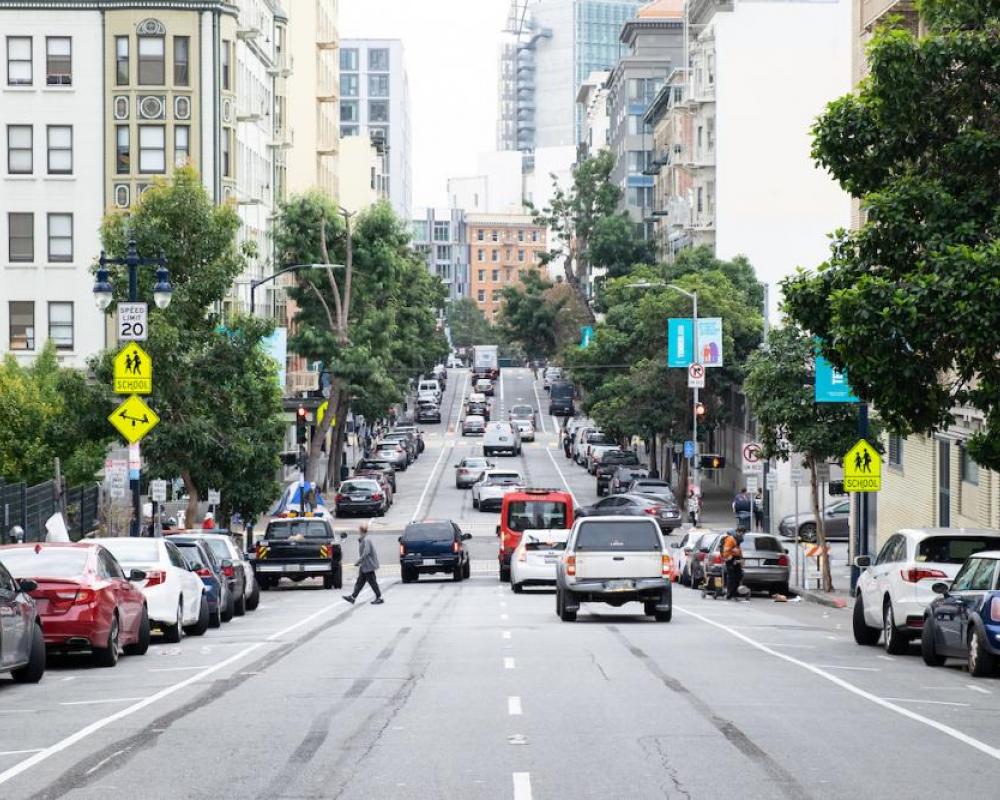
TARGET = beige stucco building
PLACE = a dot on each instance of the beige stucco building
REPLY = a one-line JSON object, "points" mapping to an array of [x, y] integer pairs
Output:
{"points": [[363, 179]]}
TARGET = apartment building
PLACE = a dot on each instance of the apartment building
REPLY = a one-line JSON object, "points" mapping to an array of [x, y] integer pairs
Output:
{"points": [[592, 99], [375, 103], [363, 180], [502, 249], [440, 236]]}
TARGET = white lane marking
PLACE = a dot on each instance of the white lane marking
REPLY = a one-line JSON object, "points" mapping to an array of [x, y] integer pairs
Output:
{"points": [[928, 702], [505, 616], [514, 706], [799, 646], [19, 752], [104, 700], [947, 730], [562, 477], [70, 678], [177, 669], [502, 372], [979, 689], [541, 415], [856, 669], [506, 634], [83, 733], [304, 620], [886, 658], [508, 663], [449, 447], [522, 786]]}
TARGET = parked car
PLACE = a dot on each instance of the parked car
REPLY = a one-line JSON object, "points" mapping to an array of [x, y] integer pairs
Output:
{"points": [[380, 477], [615, 560], [836, 523], [688, 550], [501, 437], [202, 562], [431, 386], [298, 549], [765, 562], [394, 453], [84, 597], [666, 515], [607, 462], [522, 411], [360, 496], [594, 454], [427, 412], [406, 439], [174, 594], [551, 374], [698, 562], [652, 486], [469, 470], [22, 643], [895, 590], [382, 465], [473, 425], [433, 546], [534, 560], [625, 475], [488, 491], [231, 559], [964, 620]]}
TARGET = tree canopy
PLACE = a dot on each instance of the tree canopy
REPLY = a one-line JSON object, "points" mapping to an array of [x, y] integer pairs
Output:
{"points": [[468, 324]]}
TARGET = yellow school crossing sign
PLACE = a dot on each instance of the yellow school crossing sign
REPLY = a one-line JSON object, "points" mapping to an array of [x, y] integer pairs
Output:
{"points": [[133, 371], [133, 419], [862, 469]]}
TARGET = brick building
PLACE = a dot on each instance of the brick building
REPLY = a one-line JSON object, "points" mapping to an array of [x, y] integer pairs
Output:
{"points": [[503, 248]]}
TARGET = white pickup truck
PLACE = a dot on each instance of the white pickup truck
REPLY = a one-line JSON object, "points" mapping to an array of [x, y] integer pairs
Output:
{"points": [[614, 560]]}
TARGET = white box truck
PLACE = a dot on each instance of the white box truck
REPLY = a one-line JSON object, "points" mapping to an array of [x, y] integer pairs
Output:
{"points": [[485, 361]]}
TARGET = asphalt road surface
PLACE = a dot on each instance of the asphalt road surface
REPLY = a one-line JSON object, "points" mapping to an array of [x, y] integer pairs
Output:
{"points": [[468, 691]]}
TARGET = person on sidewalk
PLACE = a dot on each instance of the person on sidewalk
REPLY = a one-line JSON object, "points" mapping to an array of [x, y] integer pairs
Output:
{"points": [[743, 508], [758, 510], [732, 561], [367, 565], [693, 507]]}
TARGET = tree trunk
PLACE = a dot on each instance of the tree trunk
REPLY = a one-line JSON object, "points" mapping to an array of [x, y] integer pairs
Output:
{"points": [[335, 460], [824, 558], [319, 433], [191, 514]]}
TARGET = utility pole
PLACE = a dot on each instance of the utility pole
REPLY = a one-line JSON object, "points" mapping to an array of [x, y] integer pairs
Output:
{"points": [[861, 513]]}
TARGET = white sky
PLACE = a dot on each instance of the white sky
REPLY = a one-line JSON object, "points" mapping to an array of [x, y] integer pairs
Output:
{"points": [[451, 51]]}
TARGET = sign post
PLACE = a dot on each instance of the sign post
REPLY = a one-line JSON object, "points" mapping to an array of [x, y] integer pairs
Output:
{"points": [[696, 376], [862, 468], [133, 322]]}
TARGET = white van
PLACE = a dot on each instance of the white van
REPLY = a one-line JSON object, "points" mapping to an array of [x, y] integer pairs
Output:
{"points": [[429, 385], [501, 437]]}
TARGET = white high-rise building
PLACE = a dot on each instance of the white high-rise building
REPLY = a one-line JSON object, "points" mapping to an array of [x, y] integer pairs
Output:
{"points": [[375, 102]]}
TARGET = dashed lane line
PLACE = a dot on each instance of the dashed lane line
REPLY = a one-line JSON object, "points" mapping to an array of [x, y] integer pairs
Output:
{"points": [[514, 706], [522, 785], [508, 663]]}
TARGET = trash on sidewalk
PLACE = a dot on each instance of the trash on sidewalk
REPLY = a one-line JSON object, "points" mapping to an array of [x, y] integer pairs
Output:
{"points": [[779, 598], [795, 599]]}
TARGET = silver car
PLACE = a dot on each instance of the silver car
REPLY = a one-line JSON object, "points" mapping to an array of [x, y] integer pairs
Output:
{"points": [[469, 470], [836, 523], [488, 491]]}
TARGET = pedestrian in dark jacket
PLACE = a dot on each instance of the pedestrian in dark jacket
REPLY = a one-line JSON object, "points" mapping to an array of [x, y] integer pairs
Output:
{"points": [[367, 565]]}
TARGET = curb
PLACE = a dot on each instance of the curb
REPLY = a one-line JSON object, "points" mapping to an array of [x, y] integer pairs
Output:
{"points": [[820, 598]]}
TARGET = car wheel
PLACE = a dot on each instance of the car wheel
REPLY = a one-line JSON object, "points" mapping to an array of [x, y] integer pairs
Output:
{"points": [[516, 588], [328, 581], [895, 642], [108, 656], [456, 574], [664, 616], [927, 648], [564, 614], [141, 645], [649, 608], [475, 503], [215, 619], [230, 608], [33, 671], [808, 532], [863, 633], [240, 605], [338, 576], [981, 661], [264, 582], [199, 628], [467, 570], [254, 599], [406, 575], [174, 633], [782, 589]]}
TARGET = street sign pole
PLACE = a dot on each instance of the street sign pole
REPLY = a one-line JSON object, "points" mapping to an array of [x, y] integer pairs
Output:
{"points": [[861, 513], [696, 473]]}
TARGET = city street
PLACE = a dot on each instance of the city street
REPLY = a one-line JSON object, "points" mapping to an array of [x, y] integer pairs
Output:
{"points": [[465, 690]]}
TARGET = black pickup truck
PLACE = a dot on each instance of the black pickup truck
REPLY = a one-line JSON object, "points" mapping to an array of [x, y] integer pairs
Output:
{"points": [[299, 548], [608, 463]]}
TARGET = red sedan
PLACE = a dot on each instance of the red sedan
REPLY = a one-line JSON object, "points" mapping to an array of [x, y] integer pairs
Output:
{"points": [[83, 597]]}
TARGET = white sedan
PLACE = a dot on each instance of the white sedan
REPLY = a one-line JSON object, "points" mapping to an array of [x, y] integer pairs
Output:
{"points": [[174, 595], [526, 428], [488, 491], [533, 562]]}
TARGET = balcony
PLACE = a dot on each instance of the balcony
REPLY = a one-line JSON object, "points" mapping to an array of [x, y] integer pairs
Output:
{"points": [[297, 382], [282, 67]]}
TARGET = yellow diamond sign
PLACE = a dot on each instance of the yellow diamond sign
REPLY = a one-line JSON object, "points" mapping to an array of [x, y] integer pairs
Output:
{"points": [[133, 419], [133, 371], [862, 469]]}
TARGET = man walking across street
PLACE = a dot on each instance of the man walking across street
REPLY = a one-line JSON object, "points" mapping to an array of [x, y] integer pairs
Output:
{"points": [[367, 565]]}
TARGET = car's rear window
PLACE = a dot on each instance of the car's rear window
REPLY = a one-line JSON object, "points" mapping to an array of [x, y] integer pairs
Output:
{"points": [[475, 462], [601, 536], [219, 547], [191, 553], [347, 487], [545, 546], [429, 532], [619, 457], [505, 478], [762, 543], [48, 562], [310, 529], [523, 515], [954, 549], [133, 551]]}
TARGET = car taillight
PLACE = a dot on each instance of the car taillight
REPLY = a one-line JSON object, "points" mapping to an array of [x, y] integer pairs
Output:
{"points": [[523, 556], [717, 559], [653, 510], [229, 572], [782, 560], [376, 495], [339, 498], [154, 577], [571, 565], [665, 569], [995, 609], [402, 549], [204, 572], [84, 596], [456, 547], [914, 574]]}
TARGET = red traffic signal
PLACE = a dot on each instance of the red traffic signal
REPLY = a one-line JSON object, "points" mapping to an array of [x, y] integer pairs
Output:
{"points": [[301, 420]]}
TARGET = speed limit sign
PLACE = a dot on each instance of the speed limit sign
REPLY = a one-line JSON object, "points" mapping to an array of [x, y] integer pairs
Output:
{"points": [[133, 322]]}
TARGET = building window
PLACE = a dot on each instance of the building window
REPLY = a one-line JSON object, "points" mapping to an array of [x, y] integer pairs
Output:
{"points": [[520, 234], [61, 325], [379, 135], [121, 60], [19, 61], [182, 144], [378, 85], [60, 237], [520, 255], [227, 151], [19, 149], [227, 70], [482, 275], [534, 236], [58, 60], [123, 150], [152, 148], [495, 276], [60, 140], [895, 450], [480, 254], [496, 295], [21, 236], [443, 252], [480, 234], [968, 468], [495, 255], [378, 111], [182, 60], [349, 112], [348, 130], [151, 65], [481, 295], [494, 236], [378, 60], [348, 85], [349, 60], [22, 324], [442, 232]]}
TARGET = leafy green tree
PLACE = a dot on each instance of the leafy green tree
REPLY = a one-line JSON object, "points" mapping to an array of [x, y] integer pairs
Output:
{"points": [[907, 304], [615, 246], [528, 318], [780, 385], [215, 392], [468, 324]]}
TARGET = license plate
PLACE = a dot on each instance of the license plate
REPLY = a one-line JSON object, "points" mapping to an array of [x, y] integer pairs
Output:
{"points": [[429, 562], [269, 568], [552, 559], [295, 568], [358, 498], [620, 586], [752, 562]]}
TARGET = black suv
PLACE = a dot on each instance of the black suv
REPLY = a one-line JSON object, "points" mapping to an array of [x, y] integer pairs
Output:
{"points": [[434, 546], [608, 463]]}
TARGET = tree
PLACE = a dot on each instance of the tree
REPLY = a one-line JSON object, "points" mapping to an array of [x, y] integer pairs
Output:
{"points": [[214, 390], [907, 304], [528, 318], [780, 385], [468, 324], [615, 246]]}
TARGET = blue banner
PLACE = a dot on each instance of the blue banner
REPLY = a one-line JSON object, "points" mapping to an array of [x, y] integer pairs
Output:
{"points": [[586, 334], [831, 384], [680, 342]]}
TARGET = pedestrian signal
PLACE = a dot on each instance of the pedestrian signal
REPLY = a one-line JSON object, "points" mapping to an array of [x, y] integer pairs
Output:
{"points": [[713, 462]]}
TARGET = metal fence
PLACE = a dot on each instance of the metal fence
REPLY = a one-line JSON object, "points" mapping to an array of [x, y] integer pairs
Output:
{"points": [[31, 506]]}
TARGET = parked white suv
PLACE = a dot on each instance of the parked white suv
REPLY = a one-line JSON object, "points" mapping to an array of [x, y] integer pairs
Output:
{"points": [[895, 589], [614, 560]]}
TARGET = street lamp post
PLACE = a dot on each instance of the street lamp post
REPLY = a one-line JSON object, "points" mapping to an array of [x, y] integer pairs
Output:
{"points": [[293, 268], [103, 296]]}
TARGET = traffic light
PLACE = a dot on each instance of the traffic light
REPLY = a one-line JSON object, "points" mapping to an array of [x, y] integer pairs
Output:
{"points": [[713, 462], [301, 420], [699, 410]]}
